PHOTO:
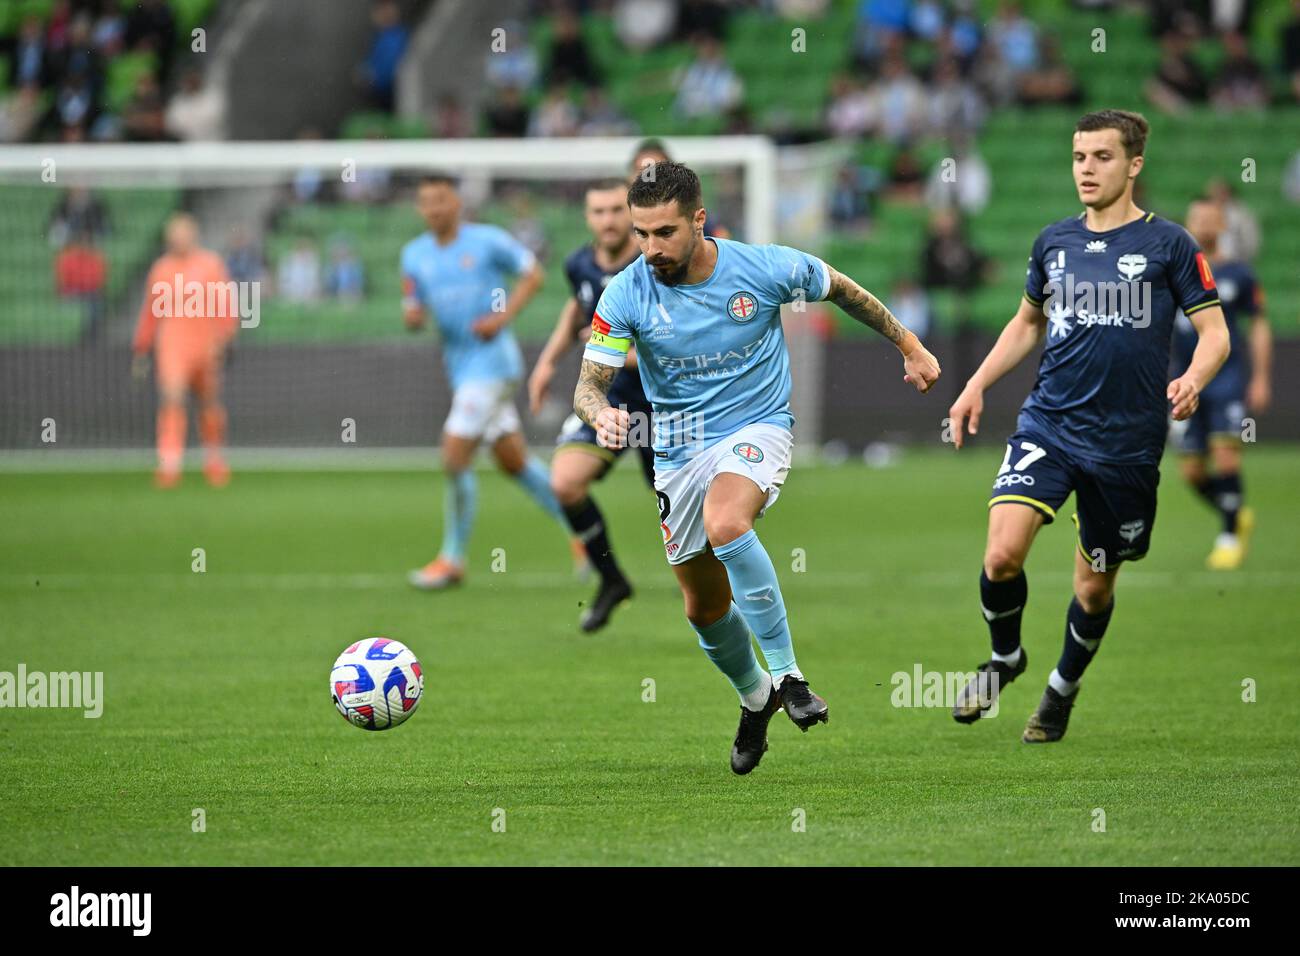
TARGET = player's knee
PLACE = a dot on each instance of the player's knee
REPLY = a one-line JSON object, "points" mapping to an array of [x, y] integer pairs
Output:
{"points": [[568, 490], [703, 611], [724, 528], [1193, 470], [1002, 563], [1094, 592], [1227, 459]]}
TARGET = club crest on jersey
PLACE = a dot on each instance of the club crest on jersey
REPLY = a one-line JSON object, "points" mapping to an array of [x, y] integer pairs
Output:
{"points": [[1130, 530], [1096, 245], [1131, 265], [751, 453], [742, 307]]}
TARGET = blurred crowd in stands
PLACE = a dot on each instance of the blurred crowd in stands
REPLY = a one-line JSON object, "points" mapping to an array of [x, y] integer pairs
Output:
{"points": [[66, 83], [95, 70]]}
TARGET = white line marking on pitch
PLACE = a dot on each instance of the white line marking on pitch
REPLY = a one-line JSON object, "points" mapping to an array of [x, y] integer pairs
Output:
{"points": [[793, 583]]}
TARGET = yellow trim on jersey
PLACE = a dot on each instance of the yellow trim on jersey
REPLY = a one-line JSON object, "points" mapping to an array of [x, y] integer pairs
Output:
{"points": [[604, 454], [1203, 305], [1149, 217], [608, 341], [1030, 300], [1025, 500], [1078, 537]]}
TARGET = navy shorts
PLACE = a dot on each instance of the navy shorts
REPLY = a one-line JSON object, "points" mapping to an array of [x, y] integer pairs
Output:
{"points": [[1115, 504], [1219, 417], [577, 433]]}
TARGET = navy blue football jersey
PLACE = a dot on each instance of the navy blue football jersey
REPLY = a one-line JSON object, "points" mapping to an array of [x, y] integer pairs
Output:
{"points": [[1242, 300], [1110, 299], [588, 280]]}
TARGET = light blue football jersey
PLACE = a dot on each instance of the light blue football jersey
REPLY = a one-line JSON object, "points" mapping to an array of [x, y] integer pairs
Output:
{"points": [[712, 355], [457, 283]]}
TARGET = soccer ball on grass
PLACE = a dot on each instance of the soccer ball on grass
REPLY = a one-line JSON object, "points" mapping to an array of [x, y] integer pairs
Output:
{"points": [[376, 683]]}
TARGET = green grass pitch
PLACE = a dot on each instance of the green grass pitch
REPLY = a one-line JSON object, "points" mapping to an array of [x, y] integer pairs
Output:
{"points": [[216, 683]]}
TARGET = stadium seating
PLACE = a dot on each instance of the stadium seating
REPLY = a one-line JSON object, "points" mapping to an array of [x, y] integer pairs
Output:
{"points": [[1025, 150]]}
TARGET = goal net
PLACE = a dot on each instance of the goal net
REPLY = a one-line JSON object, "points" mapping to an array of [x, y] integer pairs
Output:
{"points": [[312, 232]]}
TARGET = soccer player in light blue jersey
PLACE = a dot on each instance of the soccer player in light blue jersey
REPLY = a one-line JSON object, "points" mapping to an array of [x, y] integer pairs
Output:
{"points": [[705, 317], [458, 272]]}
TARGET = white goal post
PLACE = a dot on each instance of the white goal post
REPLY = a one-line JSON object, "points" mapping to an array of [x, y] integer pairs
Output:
{"points": [[234, 184], [255, 162]]}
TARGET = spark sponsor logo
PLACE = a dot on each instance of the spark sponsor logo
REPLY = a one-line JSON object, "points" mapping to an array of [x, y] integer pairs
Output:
{"points": [[1108, 304]]}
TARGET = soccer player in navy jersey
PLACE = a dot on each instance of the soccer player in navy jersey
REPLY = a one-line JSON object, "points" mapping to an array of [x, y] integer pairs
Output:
{"points": [[1102, 288], [705, 317], [579, 459], [1214, 432]]}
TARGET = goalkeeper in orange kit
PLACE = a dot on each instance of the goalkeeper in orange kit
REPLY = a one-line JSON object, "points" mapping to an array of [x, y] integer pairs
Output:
{"points": [[189, 315]]}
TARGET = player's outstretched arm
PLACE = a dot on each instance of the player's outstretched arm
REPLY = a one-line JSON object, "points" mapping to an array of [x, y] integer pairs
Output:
{"points": [[593, 407], [564, 335], [920, 368], [1020, 337], [1212, 347]]}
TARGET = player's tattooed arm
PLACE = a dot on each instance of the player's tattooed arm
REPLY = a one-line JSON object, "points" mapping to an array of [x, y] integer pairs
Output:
{"points": [[594, 381], [867, 309], [593, 407], [920, 368]]}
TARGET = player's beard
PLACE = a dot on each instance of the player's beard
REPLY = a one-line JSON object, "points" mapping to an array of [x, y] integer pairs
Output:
{"points": [[675, 272]]}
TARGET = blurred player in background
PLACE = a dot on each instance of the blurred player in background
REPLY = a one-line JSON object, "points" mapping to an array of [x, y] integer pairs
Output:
{"points": [[579, 460], [1096, 421], [651, 151], [1214, 431], [188, 336], [705, 315], [458, 271]]}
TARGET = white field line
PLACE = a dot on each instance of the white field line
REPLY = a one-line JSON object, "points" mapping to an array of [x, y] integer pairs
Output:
{"points": [[487, 581]]}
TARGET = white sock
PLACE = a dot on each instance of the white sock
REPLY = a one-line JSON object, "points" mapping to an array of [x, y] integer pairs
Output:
{"points": [[780, 680], [756, 699], [1011, 660], [1065, 688], [1225, 540]]}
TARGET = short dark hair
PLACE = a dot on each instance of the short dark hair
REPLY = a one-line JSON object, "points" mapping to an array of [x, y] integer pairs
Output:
{"points": [[607, 182], [438, 179], [1133, 128], [649, 145], [664, 183]]}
